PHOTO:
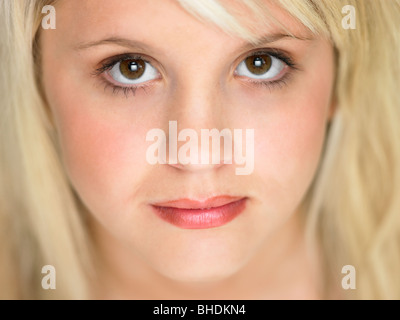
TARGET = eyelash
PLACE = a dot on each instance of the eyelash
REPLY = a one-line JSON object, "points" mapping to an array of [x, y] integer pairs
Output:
{"points": [[125, 90], [283, 81], [109, 64], [271, 85]]}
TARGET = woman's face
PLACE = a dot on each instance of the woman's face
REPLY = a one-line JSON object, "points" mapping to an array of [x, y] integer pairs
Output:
{"points": [[115, 70]]}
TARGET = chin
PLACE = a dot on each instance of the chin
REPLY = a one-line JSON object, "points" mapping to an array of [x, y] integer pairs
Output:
{"points": [[209, 255], [201, 269], [201, 275]]}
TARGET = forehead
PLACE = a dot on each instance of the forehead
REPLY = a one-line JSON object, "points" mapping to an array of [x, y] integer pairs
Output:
{"points": [[87, 20]]}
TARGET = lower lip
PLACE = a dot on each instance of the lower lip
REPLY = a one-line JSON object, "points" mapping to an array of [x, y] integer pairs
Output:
{"points": [[201, 218]]}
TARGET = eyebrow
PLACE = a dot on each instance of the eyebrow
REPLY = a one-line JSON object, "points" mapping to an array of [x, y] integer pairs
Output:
{"points": [[129, 43], [123, 42], [279, 36]]}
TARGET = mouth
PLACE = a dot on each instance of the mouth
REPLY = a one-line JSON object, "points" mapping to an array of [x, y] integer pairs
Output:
{"points": [[193, 214]]}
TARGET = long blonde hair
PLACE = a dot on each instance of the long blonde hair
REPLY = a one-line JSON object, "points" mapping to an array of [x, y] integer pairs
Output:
{"points": [[352, 208]]}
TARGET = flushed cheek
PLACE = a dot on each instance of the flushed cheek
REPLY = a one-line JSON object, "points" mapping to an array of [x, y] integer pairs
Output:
{"points": [[101, 157]]}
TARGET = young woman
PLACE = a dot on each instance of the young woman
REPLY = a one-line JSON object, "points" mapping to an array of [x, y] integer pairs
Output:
{"points": [[307, 90]]}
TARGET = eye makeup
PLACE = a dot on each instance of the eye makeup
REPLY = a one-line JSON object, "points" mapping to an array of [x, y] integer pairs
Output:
{"points": [[259, 64], [127, 88]]}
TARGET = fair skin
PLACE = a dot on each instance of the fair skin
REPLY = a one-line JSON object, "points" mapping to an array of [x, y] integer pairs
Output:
{"points": [[261, 253]]}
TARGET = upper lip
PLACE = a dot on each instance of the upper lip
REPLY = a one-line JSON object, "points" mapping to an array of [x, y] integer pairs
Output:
{"points": [[208, 203]]}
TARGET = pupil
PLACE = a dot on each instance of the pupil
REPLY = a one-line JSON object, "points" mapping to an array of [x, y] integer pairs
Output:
{"points": [[132, 69], [133, 66], [258, 62]]}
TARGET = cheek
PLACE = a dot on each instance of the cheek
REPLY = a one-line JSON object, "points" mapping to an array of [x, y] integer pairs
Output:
{"points": [[293, 143], [100, 148], [101, 161], [96, 153], [289, 144]]}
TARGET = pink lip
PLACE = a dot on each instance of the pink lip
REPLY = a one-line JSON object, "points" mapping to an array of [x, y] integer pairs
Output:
{"points": [[193, 214]]}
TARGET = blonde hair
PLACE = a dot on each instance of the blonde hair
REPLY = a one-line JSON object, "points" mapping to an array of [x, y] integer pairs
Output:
{"points": [[39, 219], [352, 208]]}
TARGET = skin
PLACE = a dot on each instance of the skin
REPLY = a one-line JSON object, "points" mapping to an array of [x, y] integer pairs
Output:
{"points": [[261, 253]]}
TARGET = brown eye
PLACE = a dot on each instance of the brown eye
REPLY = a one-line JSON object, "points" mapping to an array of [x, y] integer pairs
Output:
{"points": [[132, 69], [258, 64], [261, 66]]}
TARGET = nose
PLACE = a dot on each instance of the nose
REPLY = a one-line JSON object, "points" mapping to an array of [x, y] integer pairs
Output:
{"points": [[196, 167], [198, 137]]}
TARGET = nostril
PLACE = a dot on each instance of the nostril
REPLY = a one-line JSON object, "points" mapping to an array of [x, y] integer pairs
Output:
{"points": [[211, 149], [196, 167]]}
